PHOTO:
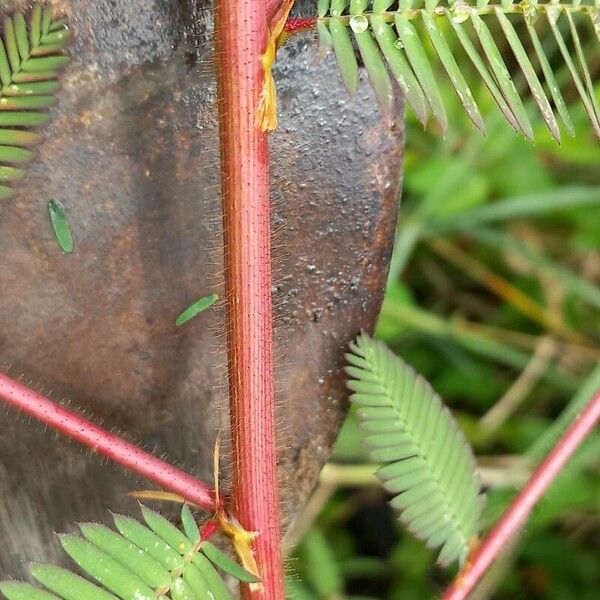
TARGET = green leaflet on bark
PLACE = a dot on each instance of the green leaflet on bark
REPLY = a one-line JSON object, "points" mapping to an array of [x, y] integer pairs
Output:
{"points": [[31, 57]]}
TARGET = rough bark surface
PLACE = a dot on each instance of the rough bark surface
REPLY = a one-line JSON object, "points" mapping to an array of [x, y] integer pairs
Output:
{"points": [[132, 154]]}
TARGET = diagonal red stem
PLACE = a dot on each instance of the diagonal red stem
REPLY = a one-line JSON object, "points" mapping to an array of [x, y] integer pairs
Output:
{"points": [[109, 445], [241, 36], [516, 515]]}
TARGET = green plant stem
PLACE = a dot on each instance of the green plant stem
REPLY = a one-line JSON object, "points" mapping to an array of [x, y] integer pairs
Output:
{"points": [[516, 515], [241, 28]]}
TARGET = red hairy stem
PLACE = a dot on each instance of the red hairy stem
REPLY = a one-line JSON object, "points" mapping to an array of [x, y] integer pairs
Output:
{"points": [[109, 445], [299, 24], [241, 29], [516, 515]]}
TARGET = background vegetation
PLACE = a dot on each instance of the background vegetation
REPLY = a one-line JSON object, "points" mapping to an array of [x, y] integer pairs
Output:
{"points": [[493, 296]]}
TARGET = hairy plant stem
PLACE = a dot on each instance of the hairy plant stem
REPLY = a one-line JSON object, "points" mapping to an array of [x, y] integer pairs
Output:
{"points": [[241, 29], [516, 515], [109, 445]]}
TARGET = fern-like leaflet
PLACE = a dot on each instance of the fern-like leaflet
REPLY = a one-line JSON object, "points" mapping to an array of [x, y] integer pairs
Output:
{"points": [[140, 562], [31, 57], [393, 37], [428, 463]]}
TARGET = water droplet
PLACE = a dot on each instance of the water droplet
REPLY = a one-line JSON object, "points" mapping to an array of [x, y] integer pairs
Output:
{"points": [[460, 12], [359, 23], [530, 11], [398, 43], [552, 12], [62, 231]]}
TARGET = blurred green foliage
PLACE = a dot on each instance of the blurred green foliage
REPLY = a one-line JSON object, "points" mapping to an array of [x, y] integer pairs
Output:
{"points": [[497, 258]]}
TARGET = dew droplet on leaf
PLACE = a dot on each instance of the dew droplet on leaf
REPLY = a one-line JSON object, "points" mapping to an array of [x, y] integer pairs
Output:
{"points": [[530, 11], [359, 23], [460, 12]]}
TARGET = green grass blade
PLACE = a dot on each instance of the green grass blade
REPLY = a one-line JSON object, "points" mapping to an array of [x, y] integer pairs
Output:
{"points": [[533, 205], [68, 585], [422, 68], [577, 285], [537, 90], [394, 56], [502, 75], [454, 73], [60, 226], [546, 442]]}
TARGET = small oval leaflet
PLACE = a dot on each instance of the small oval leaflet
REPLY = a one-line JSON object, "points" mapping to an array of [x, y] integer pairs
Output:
{"points": [[196, 308], [60, 225]]}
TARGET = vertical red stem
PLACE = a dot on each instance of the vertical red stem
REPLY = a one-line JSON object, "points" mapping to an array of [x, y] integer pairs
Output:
{"points": [[514, 518], [241, 35]]}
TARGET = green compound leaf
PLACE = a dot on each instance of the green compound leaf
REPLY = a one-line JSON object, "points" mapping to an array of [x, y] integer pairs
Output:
{"points": [[60, 225], [31, 57], [428, 465], [157, 562], [413, 42], [196, 308]]}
